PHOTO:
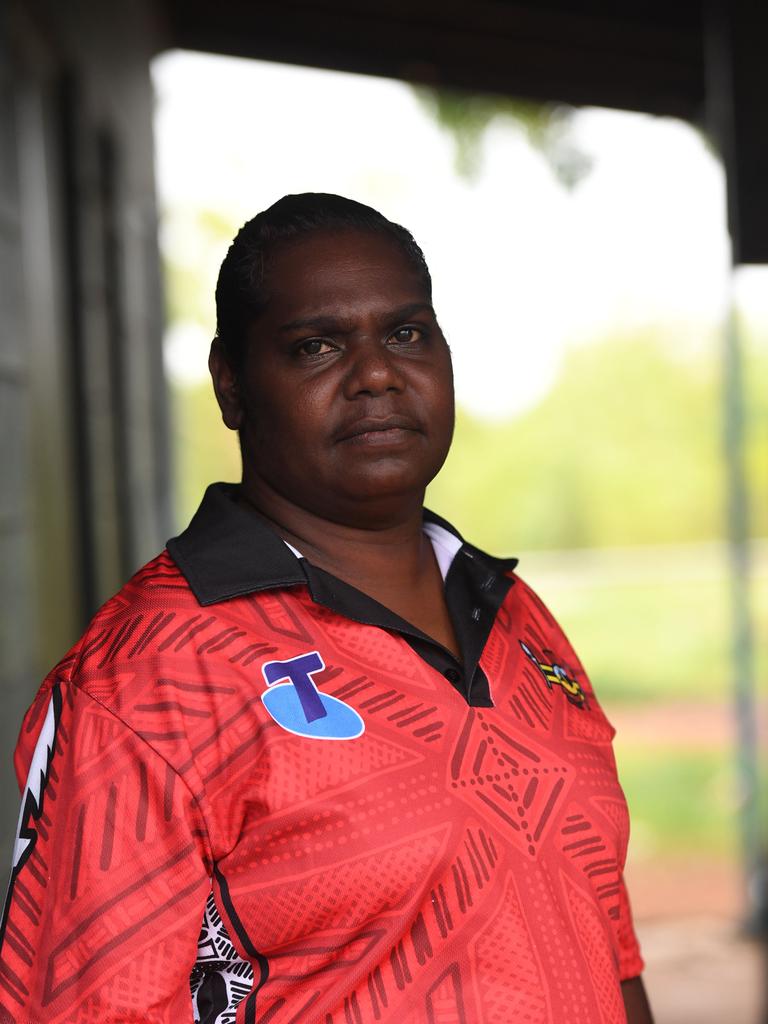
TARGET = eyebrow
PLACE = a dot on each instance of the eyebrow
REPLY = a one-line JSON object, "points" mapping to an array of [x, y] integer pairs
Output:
{"points": [[342, 324]]}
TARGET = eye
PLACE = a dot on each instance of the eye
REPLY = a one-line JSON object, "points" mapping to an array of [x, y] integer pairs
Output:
{"points": [[407, 335], [314, 347]]}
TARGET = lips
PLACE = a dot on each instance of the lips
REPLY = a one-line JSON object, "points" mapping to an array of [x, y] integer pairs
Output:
{"points": [[377, 429]]}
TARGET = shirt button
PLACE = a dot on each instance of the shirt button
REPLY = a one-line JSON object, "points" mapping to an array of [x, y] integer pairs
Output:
{"points": [[452, 675]]}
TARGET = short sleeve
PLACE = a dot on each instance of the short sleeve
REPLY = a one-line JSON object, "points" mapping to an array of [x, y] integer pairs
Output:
{"points": [[110, 874], [631, 963]]}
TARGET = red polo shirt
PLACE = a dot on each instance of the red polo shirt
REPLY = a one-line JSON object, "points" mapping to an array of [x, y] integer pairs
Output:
{"points": [[369, 828]]}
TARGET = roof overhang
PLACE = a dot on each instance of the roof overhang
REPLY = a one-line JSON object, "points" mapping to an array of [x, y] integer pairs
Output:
{"points": [[699, 61]]}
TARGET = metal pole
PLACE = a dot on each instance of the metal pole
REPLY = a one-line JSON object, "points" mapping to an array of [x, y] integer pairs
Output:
{"points": [[742, 634]]}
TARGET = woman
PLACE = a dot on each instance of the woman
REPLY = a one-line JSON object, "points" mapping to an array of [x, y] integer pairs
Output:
{"points": [[357, 747]]}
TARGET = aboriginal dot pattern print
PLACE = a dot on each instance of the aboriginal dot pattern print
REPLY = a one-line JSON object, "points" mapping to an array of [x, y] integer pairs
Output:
{"points": [[187, 858]]}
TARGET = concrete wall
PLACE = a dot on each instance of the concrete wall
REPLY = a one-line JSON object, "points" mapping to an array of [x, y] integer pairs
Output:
{"points": [[84, 473]]}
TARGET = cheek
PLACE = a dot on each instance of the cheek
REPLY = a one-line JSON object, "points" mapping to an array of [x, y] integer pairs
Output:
{"points": [[437, 394], [310, 406], [284, 418]]}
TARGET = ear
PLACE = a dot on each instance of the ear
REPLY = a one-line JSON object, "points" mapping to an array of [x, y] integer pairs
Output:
{"points": [[226, 386]]}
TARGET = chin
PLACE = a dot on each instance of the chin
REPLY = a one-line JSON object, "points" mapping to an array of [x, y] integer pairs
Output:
{"points": [[388, 483]]}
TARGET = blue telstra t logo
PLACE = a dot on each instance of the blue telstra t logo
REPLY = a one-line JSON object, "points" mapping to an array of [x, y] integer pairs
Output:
{"points": [[299, 707]]}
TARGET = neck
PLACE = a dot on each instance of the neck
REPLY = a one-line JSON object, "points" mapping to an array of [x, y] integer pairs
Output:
{"points": [[385, 546], [380, 549]]}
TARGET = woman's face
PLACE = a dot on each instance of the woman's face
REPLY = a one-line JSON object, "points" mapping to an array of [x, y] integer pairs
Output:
{"points": [[345, 401]]}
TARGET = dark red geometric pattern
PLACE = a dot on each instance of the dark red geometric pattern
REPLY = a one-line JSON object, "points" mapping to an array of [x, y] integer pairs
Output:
{"points": [[450, 865]]}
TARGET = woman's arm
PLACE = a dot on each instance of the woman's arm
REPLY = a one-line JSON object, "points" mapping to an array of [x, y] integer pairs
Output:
{"points": [[636, 1001], [110, 876]]}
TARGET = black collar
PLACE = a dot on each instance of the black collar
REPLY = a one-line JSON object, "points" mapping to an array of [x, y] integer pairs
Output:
{"points": [[228, 551]]}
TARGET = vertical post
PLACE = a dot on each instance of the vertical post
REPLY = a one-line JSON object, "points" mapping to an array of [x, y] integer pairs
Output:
{"points": [[736, 95], [742, 633]]}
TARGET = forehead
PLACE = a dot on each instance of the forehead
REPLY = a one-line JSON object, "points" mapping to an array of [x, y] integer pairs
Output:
{"points": [[327, 271]]}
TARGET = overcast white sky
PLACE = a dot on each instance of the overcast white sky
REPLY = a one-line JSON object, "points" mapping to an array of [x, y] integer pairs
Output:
{"points": [[522, 268]]}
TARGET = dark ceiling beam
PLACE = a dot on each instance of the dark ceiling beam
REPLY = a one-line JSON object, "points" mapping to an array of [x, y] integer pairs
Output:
{"points": [[638, 57], [737, 118], [701, 60]]}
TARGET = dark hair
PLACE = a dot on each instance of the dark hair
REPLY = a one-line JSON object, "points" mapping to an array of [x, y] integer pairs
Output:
{"points": [[241, 293]]}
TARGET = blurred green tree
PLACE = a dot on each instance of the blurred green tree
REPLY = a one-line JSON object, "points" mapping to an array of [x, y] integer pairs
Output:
{"points": [[624, 450], [467, 116]]}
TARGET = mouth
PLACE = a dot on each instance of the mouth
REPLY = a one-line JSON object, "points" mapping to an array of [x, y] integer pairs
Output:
{"points": [[378, 431]]}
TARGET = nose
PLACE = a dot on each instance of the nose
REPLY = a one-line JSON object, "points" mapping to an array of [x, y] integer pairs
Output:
{"points": [[373, 370]]}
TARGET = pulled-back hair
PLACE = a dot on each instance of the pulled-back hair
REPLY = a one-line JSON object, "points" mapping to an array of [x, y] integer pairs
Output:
{"points": [[241, 293]]}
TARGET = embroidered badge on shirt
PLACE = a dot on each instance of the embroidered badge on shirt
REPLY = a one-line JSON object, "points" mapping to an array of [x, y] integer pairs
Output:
{"points": [[556, 675], [296, 704]]}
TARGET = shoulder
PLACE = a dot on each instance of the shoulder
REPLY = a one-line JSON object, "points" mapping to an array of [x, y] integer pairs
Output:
{"points": [[148, 606], [124, 681], [549, 651], [536, 607], [540, 621], [159, 584]]}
